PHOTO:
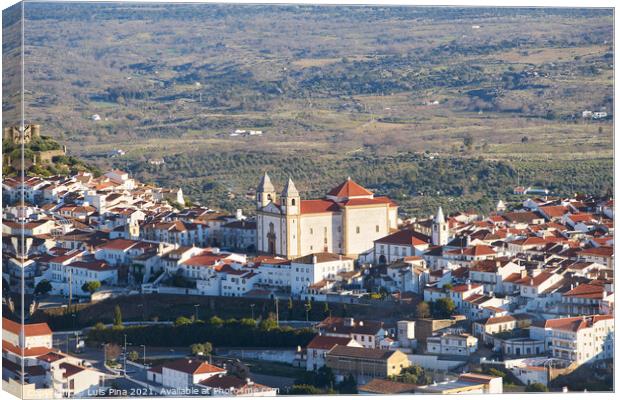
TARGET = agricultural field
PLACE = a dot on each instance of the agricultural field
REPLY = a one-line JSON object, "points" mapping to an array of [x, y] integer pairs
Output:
{"points": [[428, 105]]}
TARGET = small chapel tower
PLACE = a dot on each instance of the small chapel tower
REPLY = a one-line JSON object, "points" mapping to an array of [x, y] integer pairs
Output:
{"points": [[440, 229]]}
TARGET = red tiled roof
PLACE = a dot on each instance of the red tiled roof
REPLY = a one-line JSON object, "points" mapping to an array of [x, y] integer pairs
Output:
{"points": [[318, 206], [207, 259], [29, 329], [581, 217], [586, 290], [477, 378], [554, 211], [407, 237], [327, 342], [51, 357], [603, 251], [349, 188], [575, 323], [476, 251], [24, 352], [534, 281], [192, 366], [465, 288], [70, 369], [118, 244]]}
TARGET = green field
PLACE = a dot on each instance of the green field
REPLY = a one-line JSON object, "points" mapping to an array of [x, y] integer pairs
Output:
{"points": [[326, 85]]}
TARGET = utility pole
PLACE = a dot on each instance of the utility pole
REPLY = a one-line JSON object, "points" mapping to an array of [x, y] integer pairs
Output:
{"points": [[125, 356]]}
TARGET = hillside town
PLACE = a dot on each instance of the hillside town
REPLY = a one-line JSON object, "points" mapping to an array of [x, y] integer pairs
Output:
{"points": [[517, 298]]}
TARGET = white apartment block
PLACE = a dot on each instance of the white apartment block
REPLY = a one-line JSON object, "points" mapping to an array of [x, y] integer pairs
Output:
{"points": [[313, 268]]}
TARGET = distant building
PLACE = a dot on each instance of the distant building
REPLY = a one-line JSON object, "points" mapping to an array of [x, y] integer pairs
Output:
{"points": [[321, 345], [365, 364], [452, 344]]}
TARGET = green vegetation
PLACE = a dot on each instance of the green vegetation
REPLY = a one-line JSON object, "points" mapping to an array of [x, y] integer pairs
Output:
{"points": [[227, 333], [91, 287], [414, 374], [323, 381], [59, 164], [412, 102], [43, 287], [423, 310], [201, 349], [536, 387], [118, 316], [442, 308]]}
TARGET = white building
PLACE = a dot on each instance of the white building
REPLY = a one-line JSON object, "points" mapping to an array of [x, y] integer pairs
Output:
{"points": [[184, 373], [398, 245], [582, 339], [313, 268], [452, 344], [321, 345]]}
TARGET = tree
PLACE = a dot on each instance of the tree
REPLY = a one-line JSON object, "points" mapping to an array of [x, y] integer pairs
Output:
{"points": [[290, 308], [443, 308], [468, 142], [304, 389], [348, 385], [43, 287], [268, 323], [91, 287], [423, 310], [536, 387], [118, 316], [112, 351], [99, 326], [133, 355], [325, 377], [525, 139], [326, 309], [201, 349], [216, 321], [496, 372], [414, 374]]}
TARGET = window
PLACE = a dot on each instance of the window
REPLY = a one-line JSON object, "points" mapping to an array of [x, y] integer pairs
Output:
{"points": [[357, 229], [311, 231], [377, 228], [292, 202]]}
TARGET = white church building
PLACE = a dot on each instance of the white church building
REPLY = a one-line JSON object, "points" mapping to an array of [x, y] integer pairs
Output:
{"points": [[346, 221]]}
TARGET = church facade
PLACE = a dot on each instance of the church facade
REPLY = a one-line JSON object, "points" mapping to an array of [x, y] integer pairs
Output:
{"points": [[346, 221]]}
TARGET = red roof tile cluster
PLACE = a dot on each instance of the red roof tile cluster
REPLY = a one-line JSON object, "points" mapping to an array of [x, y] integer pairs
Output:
{"points": [[29, 329], [327, 342], [318, 206], [349, 188], [192, 366], [406, 237]]}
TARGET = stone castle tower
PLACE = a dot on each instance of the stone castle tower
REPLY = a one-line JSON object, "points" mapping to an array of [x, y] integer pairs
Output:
{"points": [[25, 135]]}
